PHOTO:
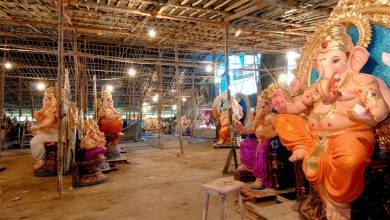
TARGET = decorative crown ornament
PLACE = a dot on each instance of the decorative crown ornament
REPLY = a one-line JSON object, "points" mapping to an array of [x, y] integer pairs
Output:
{"points": [[51, 92], [358, 13], [106, 94], [337, 38]]}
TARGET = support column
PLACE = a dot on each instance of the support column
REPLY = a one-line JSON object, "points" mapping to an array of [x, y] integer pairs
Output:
{"points": [[32, 102], [193, 101], [94, 98], [231, 129], [20, 105], [159, 76], [60, 74], [257, 72], [2, 82], [178, 101], [76, 71]]}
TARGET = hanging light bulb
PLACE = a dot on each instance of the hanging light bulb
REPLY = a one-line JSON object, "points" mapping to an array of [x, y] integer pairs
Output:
{"points": [[131, 72], [110, 88], [155, 98], [184, 99], [41, 86], [8, 65], [209, 68], [152, 33], [238, 32], [174, 107]]}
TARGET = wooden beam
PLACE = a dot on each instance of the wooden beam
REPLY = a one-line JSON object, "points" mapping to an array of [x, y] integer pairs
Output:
{"points": [[259, 5], [166, 6]]}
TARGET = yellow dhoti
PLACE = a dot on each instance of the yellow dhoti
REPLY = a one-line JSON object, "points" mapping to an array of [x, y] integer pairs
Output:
{"points": [[335, 161]]}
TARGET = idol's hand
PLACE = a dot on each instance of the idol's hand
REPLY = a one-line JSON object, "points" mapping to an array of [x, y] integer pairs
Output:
{"points": [[278, 102]]}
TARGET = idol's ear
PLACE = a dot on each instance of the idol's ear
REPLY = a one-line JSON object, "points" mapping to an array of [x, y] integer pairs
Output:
{"points": [[357, 58]]}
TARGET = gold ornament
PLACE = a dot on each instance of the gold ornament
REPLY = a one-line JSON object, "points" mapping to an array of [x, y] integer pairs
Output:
{"points": [[51, 92], [358, 13], [337, 38], [106, 94]]}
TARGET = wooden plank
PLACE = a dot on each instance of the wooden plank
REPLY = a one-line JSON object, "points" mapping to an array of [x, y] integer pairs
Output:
{"points": [[282, 211]]}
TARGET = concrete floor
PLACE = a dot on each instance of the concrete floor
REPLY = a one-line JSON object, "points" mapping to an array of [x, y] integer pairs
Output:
{"points": [[157, 184]]}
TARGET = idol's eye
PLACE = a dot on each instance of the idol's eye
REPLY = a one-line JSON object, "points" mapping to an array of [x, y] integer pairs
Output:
{"points": [[336, 60]]}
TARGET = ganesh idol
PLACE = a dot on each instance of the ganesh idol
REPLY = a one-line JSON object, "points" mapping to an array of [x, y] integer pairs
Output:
{"points": [[237, 114], [254, 149], [337, 140], [110, 123], [47, 128], [93, 141]]}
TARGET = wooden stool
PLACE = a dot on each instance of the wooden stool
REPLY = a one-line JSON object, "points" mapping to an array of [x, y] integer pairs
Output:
{"points": [[221, 187]]}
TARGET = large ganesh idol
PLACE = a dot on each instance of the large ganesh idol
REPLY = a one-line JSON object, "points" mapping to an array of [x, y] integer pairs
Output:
{"points": [[337, 140], [47, 128], [110, 123]]}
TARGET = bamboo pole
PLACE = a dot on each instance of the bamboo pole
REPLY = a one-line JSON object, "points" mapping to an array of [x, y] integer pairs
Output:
{"points": [[60, 151], [94, 97], [2, 82], [85, 84], [76, 70], [32, 102], [193, 100], [20, 98], [231, 123], [256, 68], [132, 98], [178, 102], [159, 90]]}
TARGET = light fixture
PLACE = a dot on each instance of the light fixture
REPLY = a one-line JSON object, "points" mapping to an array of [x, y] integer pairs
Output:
{"points": [[152, 33], [8, 65], [293, 55], [282, 78], [155, 98], [174, 107], [110, 88], [184, 99], [41, 86], [131, 72], [145, 103], [209, 68], [238, 32], [289, 78], [173, 90]]}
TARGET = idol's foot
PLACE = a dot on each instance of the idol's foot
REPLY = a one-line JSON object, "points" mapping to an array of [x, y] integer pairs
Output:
{"points": [[38, 164], [120, 134], [336, 213], [257, 185], [220, 141], [101, 156], [297, 154]]}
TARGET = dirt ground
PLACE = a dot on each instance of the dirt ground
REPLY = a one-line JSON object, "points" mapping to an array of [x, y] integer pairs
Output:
{"points": [[157, 184]]}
